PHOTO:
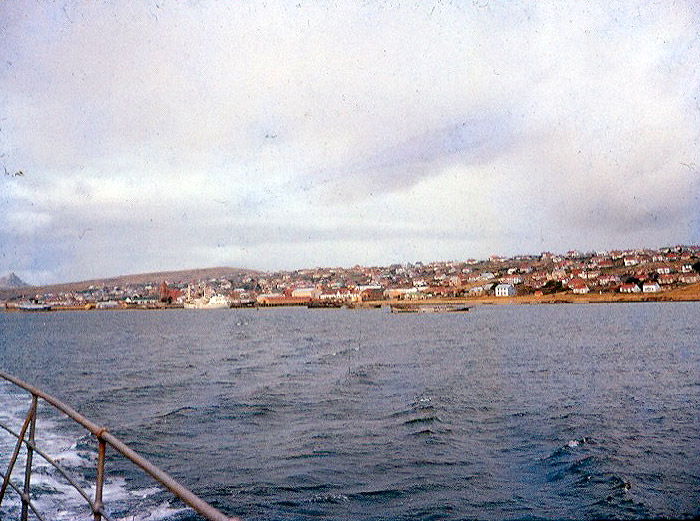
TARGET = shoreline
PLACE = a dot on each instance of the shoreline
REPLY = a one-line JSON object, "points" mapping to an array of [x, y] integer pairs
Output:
{"points": [[689, 293], [684, 294]]}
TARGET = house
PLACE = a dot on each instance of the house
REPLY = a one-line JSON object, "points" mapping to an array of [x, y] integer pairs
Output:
{"points": [[608, 279], [505, 290], [338, 294], [667, 278], [512, 279], [689, 278], [629, 288], [578, 286], [650, 286]]}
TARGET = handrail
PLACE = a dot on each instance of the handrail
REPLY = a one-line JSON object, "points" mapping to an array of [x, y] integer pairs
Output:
{"points": [[104, 438], [55, 465]]}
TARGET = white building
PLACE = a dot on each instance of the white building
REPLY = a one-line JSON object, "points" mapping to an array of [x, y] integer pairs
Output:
{"points": [[650, 287], [629, 288], [505, 290], [312, 293]]}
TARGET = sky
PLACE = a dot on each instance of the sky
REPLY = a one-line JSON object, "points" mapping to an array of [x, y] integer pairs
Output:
{"points": [[279, 135]]}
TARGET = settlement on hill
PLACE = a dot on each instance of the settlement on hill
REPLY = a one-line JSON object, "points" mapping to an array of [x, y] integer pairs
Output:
{"points": [[665, 274]]}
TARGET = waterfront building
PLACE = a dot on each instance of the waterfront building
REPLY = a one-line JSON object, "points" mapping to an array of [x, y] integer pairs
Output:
{"points": [[505, 290]]}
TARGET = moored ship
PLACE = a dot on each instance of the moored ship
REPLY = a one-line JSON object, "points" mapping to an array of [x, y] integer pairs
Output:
{"points": [[429, 308], [215, 302], [33, 306]]}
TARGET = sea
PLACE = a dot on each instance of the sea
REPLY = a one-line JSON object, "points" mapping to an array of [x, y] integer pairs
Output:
{"points": [[541, 412]]}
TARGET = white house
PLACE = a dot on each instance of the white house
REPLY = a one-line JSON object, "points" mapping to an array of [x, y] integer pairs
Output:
{"points": [[650, 287], [629, 288], [505, 290]]}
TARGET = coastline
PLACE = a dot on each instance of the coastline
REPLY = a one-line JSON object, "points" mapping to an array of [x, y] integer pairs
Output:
{"points": [[690, 293]]}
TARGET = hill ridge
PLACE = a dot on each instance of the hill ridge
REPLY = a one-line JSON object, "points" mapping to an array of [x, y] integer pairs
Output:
{"points": [[12, 281], [174, 276]]}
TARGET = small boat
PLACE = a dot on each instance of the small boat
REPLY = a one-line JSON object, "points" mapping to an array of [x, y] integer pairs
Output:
{"points": [[33, 306], [429, 308]]}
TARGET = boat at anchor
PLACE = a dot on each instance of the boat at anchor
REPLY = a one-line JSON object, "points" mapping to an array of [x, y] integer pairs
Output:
{"points": [[429, 308], [215, 302], [33, 306]]}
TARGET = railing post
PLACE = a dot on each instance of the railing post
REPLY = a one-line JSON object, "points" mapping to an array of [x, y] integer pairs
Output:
{"points": [[20, 438], [104, 438], [28, 468], [99, 482]]}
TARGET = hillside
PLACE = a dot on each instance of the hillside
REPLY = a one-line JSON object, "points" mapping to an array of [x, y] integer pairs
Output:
{"points": [[125, 280]]}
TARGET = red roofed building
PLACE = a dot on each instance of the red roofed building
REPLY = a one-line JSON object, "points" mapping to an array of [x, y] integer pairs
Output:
{"points": [[667, 278], [578, 286]]}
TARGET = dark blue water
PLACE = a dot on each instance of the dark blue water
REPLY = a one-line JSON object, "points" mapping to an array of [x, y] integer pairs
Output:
{"points": [[508, 412]]}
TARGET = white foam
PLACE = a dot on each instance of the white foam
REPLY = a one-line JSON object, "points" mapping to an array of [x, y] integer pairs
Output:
{"points": [[162, 511], [55, 498]]}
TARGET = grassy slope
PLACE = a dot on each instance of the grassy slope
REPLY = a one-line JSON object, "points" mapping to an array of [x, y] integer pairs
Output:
{"points": [[690, 292], [125, 280]]}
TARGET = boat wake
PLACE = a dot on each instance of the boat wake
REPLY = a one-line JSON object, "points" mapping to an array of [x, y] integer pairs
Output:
{"points": [[52, 495]]}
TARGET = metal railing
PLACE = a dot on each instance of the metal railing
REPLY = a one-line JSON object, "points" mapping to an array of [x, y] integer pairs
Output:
{"points": [[104, 438]]}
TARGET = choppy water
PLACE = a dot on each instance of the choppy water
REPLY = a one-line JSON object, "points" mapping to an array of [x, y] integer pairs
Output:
{"points": [[508, 412]]}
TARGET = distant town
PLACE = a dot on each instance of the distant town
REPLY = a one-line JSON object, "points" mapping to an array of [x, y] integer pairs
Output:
{"points": [[607, 275]]}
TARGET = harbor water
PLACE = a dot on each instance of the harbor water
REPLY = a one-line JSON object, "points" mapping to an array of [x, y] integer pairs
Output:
{"points": [[507, 412]]}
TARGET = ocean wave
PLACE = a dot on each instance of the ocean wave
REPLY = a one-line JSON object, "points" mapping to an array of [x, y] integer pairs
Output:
{"points": [[53, 496]]}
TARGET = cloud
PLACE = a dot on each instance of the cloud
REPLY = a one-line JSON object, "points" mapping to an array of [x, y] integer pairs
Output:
{"points": [[401, 165], [279, 135]]}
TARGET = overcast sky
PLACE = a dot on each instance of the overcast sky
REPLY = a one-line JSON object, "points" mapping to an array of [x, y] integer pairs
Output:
{"points": [[279, 135]]}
